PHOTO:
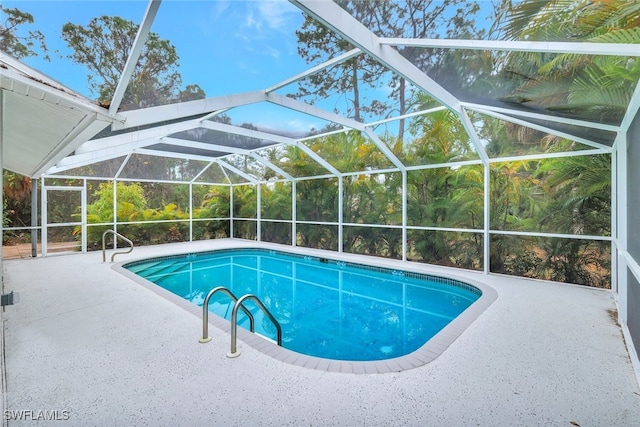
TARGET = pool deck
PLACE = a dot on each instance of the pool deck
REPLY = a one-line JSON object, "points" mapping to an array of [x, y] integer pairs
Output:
{"points": [[98, 348]]}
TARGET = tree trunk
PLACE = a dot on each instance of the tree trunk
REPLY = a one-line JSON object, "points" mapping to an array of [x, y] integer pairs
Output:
{"points": [[403, 108], [356, 92]]}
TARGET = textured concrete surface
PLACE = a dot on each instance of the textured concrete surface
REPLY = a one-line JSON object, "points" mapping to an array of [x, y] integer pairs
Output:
{"points": [[89, 346]]}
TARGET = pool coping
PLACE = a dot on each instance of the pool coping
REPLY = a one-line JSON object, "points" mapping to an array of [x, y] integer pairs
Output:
{"points": [[428, 352]]}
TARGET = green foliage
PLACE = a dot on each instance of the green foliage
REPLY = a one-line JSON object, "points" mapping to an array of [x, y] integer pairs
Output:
{"points": [[318, 236], [215, 203], [245, 199], [593, 87], [276, 201], [191, 93], [317, 200], [103, 46], [361, 74], [132, 206], [446, 248], [349, 152], [145, 226], [13, 40], [131, 202], [16, 200], [581, 186]]}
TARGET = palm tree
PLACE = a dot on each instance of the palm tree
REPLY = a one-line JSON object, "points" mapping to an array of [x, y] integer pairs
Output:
{"points": [[16, 191], [215, 205], [443, 196], [592, 87], [276, 204], [596, 88]]}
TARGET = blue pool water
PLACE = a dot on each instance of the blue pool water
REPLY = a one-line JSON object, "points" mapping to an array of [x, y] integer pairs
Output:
{"points": [[326, 308]]}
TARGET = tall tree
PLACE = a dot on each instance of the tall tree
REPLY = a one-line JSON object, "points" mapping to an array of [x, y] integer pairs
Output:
{"points": [[591, 87], [103, 46], [15, 41], [16, 192], [362, 75], [316, 43], [577, 191]]}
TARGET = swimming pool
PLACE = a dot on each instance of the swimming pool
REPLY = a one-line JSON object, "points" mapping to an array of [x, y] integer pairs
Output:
{"points": [[327, 309]]}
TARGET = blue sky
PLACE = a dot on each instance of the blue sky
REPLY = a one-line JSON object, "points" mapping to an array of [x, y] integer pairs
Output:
{"points": [[224, 46]]}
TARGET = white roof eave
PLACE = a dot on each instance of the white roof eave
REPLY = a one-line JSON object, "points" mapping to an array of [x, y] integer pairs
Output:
{"points": [[42, 120]]}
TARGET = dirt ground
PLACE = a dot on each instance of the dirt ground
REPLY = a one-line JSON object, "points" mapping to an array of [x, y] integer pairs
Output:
{"points": [[23, 250]]}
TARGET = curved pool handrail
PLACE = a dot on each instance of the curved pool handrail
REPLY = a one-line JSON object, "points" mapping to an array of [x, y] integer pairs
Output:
{"points": [[205, 312], [234, 326], [116, 234]]}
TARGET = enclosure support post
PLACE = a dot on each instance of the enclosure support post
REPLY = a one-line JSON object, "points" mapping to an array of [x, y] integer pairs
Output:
{"points": [[620, 240], [191, 211], [231, 211], [405, 245], [340, 214], [294, 230], [1, 187], [34, 218], [487, 218], [115, 211], [83, 216], [43, 236], [614, 220], [258, 212]]}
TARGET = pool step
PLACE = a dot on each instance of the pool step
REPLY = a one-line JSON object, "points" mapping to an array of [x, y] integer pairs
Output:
{"points": [[224, 306], [161, 269], [142, 268]]}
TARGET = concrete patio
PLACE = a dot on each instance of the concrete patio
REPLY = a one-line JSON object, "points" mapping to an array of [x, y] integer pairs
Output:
{"points": [[92, 347]]}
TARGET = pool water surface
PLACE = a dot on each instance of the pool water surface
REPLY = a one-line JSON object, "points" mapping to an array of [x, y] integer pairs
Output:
{"points": [[328, 309]]}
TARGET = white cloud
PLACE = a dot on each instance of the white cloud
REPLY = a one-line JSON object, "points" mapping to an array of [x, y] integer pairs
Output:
{"points": [[252, 22], [277, 13], [250, 69], [274, 15], [280, 125], [274, 53], [219, 8], [208, 20], [266, 27], [303, 126]]}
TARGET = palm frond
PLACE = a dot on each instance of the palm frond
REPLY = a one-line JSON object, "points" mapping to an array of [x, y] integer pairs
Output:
{"points": [[564, 63], [524, 19], [622, 35], [621, 14], [545, 92]]}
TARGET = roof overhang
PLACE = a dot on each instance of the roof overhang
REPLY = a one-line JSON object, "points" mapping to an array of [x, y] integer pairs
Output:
{"points": [[42, 121]]}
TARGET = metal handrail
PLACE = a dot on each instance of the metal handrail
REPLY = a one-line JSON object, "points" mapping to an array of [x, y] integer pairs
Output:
{"points": [[205, 312], [116, 234], [234, 326]]}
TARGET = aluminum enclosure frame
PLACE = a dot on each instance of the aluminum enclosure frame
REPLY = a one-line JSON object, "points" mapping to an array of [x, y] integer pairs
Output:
{"points": [[80, 146]]}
